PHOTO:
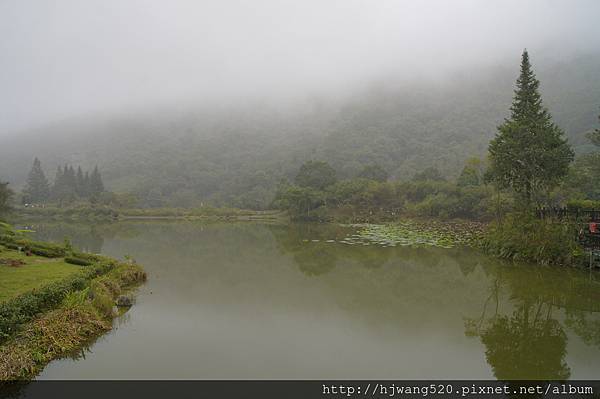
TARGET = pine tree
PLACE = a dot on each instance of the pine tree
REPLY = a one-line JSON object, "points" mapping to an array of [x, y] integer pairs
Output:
{"points": [[86, 185], [96, 185], [5, 198], [71, 179], [37, 189], [80, 185], [64, 185], [58, 185], [595, 135], [529, 153]]}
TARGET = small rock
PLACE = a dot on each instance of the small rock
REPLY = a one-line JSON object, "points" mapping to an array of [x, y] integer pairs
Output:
{"points": [[124, 301]]}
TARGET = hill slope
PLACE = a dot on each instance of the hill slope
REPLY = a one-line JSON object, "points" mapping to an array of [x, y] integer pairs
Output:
{"points": [[183, 156]]}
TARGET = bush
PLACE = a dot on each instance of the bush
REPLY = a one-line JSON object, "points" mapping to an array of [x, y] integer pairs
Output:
{"points": [[523, 237], [92, 258], [77, 261], [82, 211], [11, 246], [48, 253], [47, 250], [583, 205], [102, 299]]}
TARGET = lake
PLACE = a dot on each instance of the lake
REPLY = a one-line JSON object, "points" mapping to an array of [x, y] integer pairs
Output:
{"points": [[276, 301]]}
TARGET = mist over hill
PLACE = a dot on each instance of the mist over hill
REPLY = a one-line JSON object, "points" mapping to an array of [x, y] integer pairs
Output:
{"points": [[183, 154]]}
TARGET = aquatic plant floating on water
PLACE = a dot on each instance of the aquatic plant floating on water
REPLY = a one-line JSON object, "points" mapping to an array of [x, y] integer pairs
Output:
{"points": [[413, 234]]}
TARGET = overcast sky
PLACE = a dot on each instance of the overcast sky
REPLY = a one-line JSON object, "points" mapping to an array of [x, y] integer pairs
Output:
{"points": [[63, 58]]}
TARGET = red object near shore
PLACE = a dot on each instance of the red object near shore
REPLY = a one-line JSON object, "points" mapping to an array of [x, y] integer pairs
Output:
{"points": [[594, 228]]}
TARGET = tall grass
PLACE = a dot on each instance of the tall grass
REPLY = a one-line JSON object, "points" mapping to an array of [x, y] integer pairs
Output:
{"points": [[523, 237]]}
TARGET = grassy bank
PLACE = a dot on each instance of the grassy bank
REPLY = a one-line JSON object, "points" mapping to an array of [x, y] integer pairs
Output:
{"points": [[82, 212], [524, 237], [108, 213], [51, 306], [20, 273]]}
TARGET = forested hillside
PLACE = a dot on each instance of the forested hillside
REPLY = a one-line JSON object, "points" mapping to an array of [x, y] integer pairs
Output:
{"points": [[186, 155]]}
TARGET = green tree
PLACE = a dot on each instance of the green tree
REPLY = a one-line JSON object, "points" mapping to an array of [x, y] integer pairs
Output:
{"points": [[299, 201], [86, 184], [37, 189], [584, 176], [315, 174], [430, 173], [5, 198], [374, 172], [63, 190], [58, 185], [472, 174], [71, 179], [96, 184], [595, 135], [529, 153], [80, 183]]}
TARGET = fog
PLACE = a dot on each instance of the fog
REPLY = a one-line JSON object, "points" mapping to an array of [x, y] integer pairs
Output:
{"points": [[64, 58]]}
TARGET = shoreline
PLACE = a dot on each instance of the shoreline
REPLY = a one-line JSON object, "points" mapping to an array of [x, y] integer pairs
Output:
{"points": [[59, 318]]}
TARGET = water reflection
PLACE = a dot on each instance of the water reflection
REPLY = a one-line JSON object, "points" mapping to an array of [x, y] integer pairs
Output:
{"points": [[223, 293], [524, 332]]}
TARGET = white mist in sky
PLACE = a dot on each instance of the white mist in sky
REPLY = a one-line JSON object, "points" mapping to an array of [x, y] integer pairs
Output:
{"points": [[68, 57]]}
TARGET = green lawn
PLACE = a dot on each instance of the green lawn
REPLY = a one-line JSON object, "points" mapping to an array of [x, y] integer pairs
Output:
{"points": [[38, 272]]}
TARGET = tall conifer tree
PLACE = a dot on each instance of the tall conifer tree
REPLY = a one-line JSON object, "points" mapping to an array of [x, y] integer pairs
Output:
{"points": [[529, 153], [58, 185], [70, 179], [80, 183], [64, 185], [96, 184], [86, 185], [5, 197], [595, 135], [37, 189]]}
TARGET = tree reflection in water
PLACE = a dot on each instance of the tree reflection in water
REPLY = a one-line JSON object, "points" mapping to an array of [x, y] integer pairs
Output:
{"points": [[529, 341]]}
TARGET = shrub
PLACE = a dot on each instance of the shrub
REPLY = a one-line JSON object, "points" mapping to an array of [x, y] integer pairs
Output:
{"points": [[92, 258], [45, 252], [48, 250], [102, 298], [523, 237], [583, 205], [75, 298], [77, 261]]}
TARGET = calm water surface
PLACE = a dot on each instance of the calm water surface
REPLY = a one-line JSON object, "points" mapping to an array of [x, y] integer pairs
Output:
{"points": [[243, 301]]}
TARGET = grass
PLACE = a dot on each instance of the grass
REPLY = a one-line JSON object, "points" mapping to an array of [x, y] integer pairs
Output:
{"points": [[55, 334], [524, 237], [37, 272], [79, 319], [99, 213]]}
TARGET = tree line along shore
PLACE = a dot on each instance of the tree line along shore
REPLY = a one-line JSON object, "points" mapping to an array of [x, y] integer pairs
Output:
{"points": [[530, 165]]}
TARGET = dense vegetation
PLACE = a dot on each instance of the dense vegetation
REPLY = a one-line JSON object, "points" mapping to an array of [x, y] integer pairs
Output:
{"points": [[68, 187], [14, 313], [529, 166], [351, 164], [6, 195], [530, 154], [522, 236], [193, 156], [49, 311], [363, 199]]}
